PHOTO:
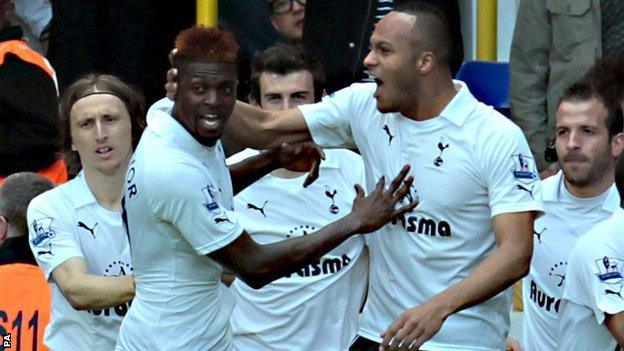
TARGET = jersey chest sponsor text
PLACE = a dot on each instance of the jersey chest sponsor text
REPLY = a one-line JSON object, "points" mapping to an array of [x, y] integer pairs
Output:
{"points": [[119, 310], [542, 299], [322, 266], [422, 225]]}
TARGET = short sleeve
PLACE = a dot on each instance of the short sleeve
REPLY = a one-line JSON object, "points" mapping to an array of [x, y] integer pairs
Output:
{"points": [[596, 279], [50, 234], [193, 204], [510, 172], [329, 120]]}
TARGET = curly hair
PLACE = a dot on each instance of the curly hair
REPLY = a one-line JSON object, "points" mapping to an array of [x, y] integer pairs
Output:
{"points": [[209, 44]]}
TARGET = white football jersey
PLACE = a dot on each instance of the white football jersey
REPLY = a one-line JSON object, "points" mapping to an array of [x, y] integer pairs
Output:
{"points": [[179, 209], [317, 307], [565, 219], [593, 287], [469, 165], [67, 222]]}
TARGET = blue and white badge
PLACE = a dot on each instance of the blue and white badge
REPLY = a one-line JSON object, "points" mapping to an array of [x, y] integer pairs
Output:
{"points": [[524, 168], [43, 231], [610, 270], [210, 204]]}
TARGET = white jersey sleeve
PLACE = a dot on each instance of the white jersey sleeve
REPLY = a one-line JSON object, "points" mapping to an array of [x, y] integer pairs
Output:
{"points": [[192, 205], [51, 237], [510, 171], [330, 121], [594, 275]]}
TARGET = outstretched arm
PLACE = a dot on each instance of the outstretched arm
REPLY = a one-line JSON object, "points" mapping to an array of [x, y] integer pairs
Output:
{"points": [[259, 265], [508, 263], [253, 127]]}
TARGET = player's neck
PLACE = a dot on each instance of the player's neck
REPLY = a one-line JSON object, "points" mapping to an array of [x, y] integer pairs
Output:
{"points": [[107, 188], [430, 100]]}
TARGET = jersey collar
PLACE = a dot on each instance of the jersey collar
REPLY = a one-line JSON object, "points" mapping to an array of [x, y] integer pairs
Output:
{"points": [[551, 194], [461, 105], [84, 196]]}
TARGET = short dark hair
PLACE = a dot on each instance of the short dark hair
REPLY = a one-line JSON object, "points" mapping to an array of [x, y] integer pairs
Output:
{"points": [[201, 43], [585, 89], [608, 76], [16, 193], [284, 59], [131, 97], [434, 27]]}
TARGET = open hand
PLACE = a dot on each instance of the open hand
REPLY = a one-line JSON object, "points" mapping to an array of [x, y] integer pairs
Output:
{"points": [[171, 86], [414, 327], [373, 211], [301, 157]]}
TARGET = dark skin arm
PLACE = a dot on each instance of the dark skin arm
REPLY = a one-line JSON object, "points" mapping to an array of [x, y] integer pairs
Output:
{"points": [[615, 324], [305, 157], [258, 265]]}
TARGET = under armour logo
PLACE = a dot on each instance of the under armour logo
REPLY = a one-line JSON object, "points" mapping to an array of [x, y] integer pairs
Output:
{"points": [[46, 252], [539, 234], [442, 146], [224, 219], [251, 206], [387, 130], [333, 208], [530, 191], [611, 292], [84, 226]]}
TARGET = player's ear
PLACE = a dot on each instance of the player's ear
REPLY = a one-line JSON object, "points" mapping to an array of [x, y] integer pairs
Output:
{"points": [[4, 229]]}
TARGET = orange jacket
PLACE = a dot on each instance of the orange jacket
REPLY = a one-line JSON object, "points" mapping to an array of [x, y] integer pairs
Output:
{"points": [[25, 300], [57, 172]]}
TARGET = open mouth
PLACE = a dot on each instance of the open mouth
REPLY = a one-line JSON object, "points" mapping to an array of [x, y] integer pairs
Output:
{"points": [[210, 120], [104, 151]]}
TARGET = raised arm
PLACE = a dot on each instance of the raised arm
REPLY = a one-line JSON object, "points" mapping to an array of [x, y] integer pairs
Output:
{"points": [[508, 263], [253, 127], [86, 291], [258, 265]]}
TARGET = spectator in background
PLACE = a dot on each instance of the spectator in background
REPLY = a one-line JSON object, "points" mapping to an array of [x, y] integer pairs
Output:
{"points": [[287, 17], [25, 293], [350, 24], [316, 307], [253, 36], [76, 230], [588, 142], [34, 17], [28, 99], [554, 44]]}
